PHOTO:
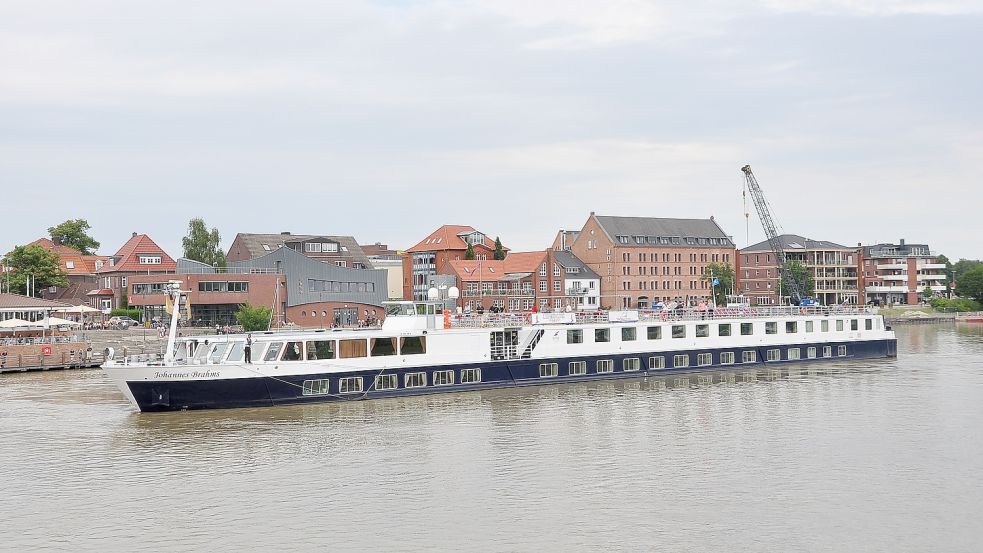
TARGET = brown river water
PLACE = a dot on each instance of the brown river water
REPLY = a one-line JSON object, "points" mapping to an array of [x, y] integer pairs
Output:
{"points": [[847, 456]]}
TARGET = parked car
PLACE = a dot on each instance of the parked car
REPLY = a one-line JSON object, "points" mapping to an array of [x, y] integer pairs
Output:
{"points": [[122, 322]]}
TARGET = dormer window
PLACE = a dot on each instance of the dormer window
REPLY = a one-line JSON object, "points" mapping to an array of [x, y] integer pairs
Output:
{"points": [[476, 238], [69, 264], [149, 260]]}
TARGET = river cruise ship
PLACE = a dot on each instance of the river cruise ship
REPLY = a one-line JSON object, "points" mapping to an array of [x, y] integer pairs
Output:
{"points": [[422, 349]]}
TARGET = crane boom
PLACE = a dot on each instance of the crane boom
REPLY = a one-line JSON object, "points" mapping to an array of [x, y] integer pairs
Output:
{"points": [[771, 232]]}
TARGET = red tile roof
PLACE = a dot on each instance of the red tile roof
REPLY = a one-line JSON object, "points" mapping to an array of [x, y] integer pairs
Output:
{"points": [[102, 292], [446, 238], [81, 264], [128, 257], [489, 270]]}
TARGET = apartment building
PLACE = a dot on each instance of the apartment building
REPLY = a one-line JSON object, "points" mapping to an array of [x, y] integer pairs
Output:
{"points": [[644, 260], [447, 243], [897, 274], [833, 267]]}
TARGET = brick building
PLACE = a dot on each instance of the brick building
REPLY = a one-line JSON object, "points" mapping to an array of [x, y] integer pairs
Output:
{"points": [[546, 280], [140, 255], [833, 267], [81, 270], [642, 260], [447, 243], [899, 273], [299, 289]]}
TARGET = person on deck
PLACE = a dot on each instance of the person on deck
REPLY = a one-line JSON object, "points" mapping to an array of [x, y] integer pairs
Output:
{"points": [[249, 347]]}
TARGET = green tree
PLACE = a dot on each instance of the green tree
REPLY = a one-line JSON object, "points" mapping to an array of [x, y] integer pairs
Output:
{"points": [[254, 319], [469, 253], [961, 267], [74, 234], [499, 250], [927, 292], [724, 273], [970, 284], [41, 265], [202, 244], [798, 273]]}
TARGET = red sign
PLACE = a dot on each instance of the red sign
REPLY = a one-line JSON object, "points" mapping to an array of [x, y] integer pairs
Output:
{"points": [[45, 350]]}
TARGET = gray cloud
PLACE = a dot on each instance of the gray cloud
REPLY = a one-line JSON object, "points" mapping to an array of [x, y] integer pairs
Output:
{"points": [[386, 119]]}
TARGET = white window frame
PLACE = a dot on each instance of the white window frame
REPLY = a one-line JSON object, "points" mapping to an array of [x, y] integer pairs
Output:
{"points": [[350, 385], [470, 376], [827, 351], [774, 354], [841, 351], [726, 358], [388, 381], [704, 359], [657, 362], [748, 356], [415, 376], [317, 387], [631, 364], [794, 354], [604, 366], [549, 370], [681, 360], [442, 378], [576, 368], [811, 352]]}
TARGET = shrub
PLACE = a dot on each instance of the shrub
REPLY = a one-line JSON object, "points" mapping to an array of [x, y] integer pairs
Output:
{"points": [[134, 314]]}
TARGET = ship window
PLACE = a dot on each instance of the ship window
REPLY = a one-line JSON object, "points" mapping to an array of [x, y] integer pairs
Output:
{"points": [[627, 333], [726, 358], [349, 384], [702, 331], [548, 369], [771, 328], [443, 378], [723, 329], [470, 376], [575, 336], [791, 327], [774, 354], [383, 346], [352, 348], [869, 324], [602, 334], [238, 352], [413, 345], [293, 352], [811, 353], [273, 352], [809, 326], [749, 357], [316, 387], [853, 324], [415, 380], [321, 349], [704, 359], [839, 325], [827, 351], [657, 362], [655, 333], [386, 382], [218, 353], [794, 353], [747, 329], [575, 368], [824, 326], [680, 360], [631, 364], [678, 331], [841, 351], [605, 366]]}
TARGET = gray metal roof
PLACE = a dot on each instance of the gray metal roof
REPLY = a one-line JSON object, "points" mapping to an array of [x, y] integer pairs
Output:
{"points": [[568, 259], [298, 269], [796, 242], [653, 228], [254, 244], [896, 250]]}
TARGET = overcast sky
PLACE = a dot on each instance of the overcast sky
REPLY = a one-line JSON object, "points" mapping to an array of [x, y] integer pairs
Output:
{"points": [[384, 119]]}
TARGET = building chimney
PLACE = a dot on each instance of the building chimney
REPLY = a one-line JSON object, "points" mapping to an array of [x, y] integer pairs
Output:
{"points": [[901, 242], [285, 233], [134, 235]]}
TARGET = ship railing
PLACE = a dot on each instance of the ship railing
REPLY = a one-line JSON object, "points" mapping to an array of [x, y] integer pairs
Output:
{"points": [[37, 340], [519, 319]]}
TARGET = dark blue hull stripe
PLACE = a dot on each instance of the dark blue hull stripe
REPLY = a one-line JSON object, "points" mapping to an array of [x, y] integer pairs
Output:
{"points": [[286, 390]]}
